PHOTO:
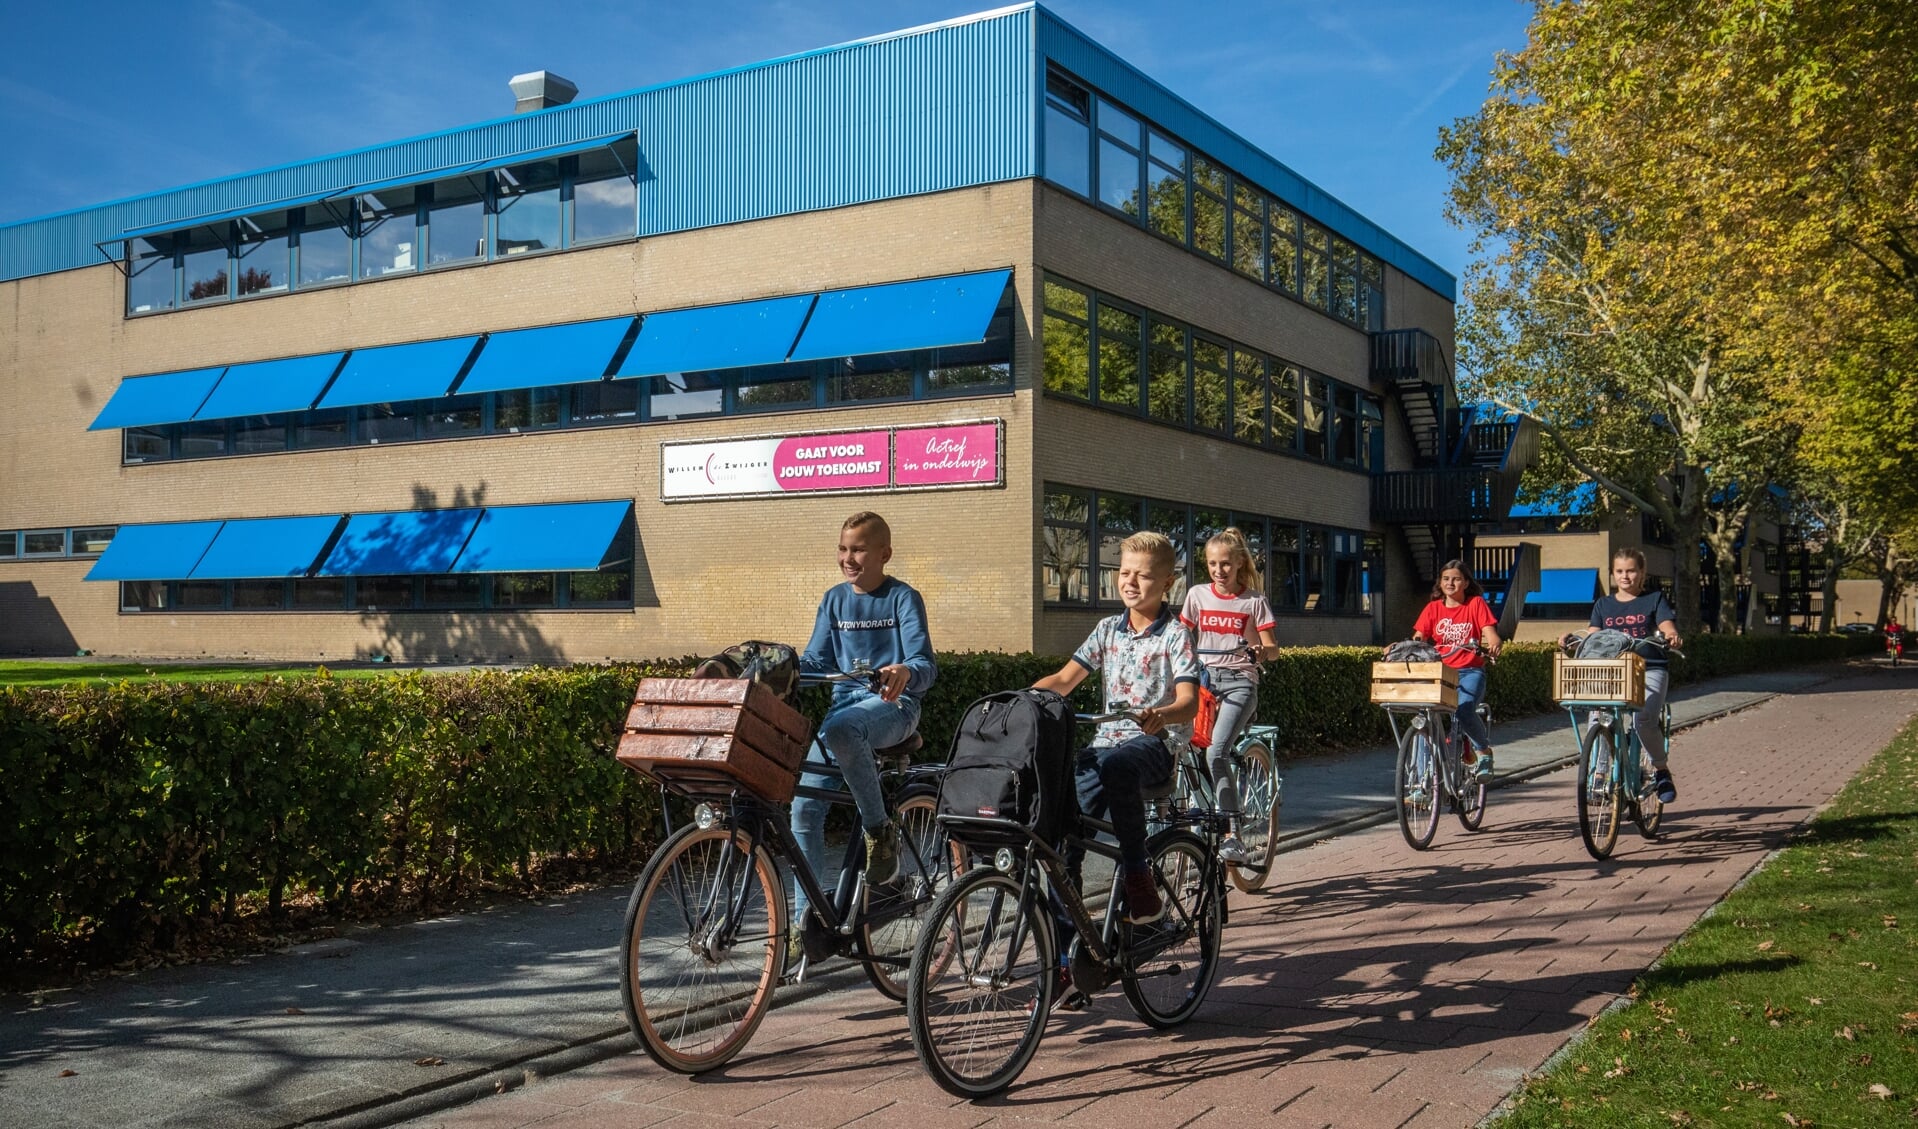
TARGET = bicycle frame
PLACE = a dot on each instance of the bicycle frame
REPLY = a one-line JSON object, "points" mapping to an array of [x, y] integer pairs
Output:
{"points": [[1443, 724]]}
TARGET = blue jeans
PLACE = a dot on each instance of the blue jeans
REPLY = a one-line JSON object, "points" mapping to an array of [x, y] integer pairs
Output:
{"points": [[1112, 780], [851, 731], [1467, 723]]}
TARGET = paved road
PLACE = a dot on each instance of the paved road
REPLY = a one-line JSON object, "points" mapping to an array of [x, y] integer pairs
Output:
{"points": [[1356, 933]]}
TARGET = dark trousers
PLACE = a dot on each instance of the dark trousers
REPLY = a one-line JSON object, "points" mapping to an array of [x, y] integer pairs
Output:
{"points": [[1111, 781]]}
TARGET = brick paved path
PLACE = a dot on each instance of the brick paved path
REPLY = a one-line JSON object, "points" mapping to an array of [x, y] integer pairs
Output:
{"points": [[1372, 985]]}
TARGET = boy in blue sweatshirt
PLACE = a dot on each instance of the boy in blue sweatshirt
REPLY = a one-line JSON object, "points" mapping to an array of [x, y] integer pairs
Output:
{"points": [[881, 621]]}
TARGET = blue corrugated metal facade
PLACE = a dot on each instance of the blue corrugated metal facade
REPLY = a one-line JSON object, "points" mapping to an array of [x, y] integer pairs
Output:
{"points": [[949, 106]]}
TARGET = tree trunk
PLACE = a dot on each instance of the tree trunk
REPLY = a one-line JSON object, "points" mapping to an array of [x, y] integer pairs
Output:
{"points": [[1688, 531], [1828, 592], [1722, 531]]}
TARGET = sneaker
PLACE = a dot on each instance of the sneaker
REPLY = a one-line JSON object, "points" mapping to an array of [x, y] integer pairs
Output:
{"points": [[882, 855], [1065, 997], [795, 947], [1662, 784], [1482, 767], [1233, 851], [1142, 903]]}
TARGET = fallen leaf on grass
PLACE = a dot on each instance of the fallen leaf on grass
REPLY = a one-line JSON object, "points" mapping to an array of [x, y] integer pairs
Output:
{"points": [[1868, 964], [429, 1060], [1891, 921], [1764, 946], [1845, 1034], [1679, 1116], [1798, 1122], [1814, 1001], [1625, 1036]]}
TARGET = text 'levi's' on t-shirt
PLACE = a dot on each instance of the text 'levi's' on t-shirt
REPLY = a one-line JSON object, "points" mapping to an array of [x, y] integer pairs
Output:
{"points": [[1219, 622]]}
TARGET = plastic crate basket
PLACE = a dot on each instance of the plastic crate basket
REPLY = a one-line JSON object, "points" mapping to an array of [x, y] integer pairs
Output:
{"points": [[1414, 684], [1599, 682]]}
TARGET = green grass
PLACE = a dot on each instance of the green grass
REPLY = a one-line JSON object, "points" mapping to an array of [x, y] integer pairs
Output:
{"points": [[21, 672], [1795, 1003]]}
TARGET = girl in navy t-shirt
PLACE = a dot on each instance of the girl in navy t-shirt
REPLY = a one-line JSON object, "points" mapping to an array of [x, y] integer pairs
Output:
{"points": [[1641, 614]]}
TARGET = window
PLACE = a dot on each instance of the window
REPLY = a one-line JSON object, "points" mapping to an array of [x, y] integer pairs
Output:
{"points": [[1120, 170], [325, 249], [1285, 406], [883, 376], [328, 427], [1312, 418], [1118, 517], [1206, 524], [452, 592], [150, 275], [525, 590], [203, 263], [1345, 280], [383, 593], [605, 194], [1068, 361], [1248, 397], [1283, 580], [43, 543], [1064, 545], [776, 386], [1372, 294], [263, 254], [143, 596], [388, 423], [1165, 188], [1345, 424], [684, 395], [1068, 134], [1347, 570], [528, 409], [1168, 375], [1121, 343], [1175, 523], [1313, 596], [389, 232], [1314, 273], [527, 206], [259, 595], [986, 366], [255, 435], [608, 588], [1282, 258], [204, 438], [146, 445], [320, 593], [1248, 231], [199, 595], [1208, 208], [456, 221], [1208, 384], [9, 544], [455, 415]]}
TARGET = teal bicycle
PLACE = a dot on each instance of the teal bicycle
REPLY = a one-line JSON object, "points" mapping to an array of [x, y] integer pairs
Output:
{"points": [[1614, 767]]}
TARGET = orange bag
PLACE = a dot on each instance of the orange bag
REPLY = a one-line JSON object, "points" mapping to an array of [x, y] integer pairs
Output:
{"points": [[1202, 721]]}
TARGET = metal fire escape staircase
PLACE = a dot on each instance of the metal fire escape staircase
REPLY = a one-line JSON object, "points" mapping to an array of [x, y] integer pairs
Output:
{"points": [[1467, 460]]}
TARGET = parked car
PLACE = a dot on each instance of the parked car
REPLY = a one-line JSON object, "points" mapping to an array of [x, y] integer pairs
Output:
{"points": [[1857, 629]]}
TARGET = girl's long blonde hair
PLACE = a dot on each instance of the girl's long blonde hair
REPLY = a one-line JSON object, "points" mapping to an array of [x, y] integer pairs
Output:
{"points": [[1245, 570]]}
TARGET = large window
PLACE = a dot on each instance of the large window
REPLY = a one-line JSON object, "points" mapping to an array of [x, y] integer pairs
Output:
{"points": [[43, 544], [609, 588], [527, 201], [389, 232], [1065, 547], [1113, 157], [605, 194]]}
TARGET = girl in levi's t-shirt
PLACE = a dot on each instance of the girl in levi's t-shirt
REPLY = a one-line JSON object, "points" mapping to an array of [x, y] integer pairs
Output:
{"points": [[1457, 618], [1231, 625]]}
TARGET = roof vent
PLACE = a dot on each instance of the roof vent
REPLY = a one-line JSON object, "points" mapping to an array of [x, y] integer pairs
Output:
{"points": [[539, 89]]}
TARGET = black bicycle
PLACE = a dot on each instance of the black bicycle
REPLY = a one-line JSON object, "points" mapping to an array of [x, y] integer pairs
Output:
{"points": [[982, 979], [704, 942]]}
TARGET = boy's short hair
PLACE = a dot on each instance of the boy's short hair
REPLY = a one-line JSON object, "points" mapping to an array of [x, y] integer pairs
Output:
{"points": [[866, 519], [1155, 545]]}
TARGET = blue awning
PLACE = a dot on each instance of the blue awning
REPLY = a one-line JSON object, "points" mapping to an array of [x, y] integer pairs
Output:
{"points": [[900, 316], [169, 397], [716, 337], [155, 552], [569, 537], [419, 370], [553, 354], [1565, 586], [408, 543], [266, 547], [290, 384]]}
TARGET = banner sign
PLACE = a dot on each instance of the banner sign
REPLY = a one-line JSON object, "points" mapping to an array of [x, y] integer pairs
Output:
{"points": [[933, 457]]}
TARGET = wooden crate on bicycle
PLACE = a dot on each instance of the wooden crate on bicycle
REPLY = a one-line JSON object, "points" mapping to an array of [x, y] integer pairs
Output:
{"points": [[1414, 684], [702, 734], [1609, 682]]}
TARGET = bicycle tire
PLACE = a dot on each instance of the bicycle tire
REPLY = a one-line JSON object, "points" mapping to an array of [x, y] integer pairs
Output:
{"points": [[1259, 827], [1598, 791], [894, 932], [978, 1021], [1415, 786], [1471, 798], [690, 1007], [1167, 987], [1649, 811]]}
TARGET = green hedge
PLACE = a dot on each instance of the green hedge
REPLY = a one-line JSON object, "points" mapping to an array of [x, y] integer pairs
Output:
{"points": [[133, 808]]}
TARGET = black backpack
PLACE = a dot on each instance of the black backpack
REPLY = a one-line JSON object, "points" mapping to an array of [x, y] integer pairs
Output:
{"points": [[774, 665], [1012, 762], [1412, 651], [1604, 644]]}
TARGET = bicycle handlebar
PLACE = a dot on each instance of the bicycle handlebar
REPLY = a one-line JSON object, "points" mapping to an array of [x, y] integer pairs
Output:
{"points": [[859, 673]]}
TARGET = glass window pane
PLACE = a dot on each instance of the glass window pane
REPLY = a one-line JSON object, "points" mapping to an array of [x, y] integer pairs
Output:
{"points": [[147, 445], [325, 428], [326, 252], [1168, 152], [1285, 406], [1062, 564], [1248, 244], [612, 587], [1118, 177], [203, 438], [451, 591], [1171, 520], [954, 379], [389, 232], [44, 543], [1248, 397], [1067, 505], [455, 415], [775, 386], [1167, 391], [882, 376], [1312, 425], [608, 401], [1345, 296], [1068, 154], [1068, 300], [383, 593], [1208, 176], [150, 275], [200, 595], [143, 595], [1282, 264], [1344, 253], [1345, 438], [203, 257], [683, 395], [259, 595], [1069, 96], [1165, 200], [9, 544], [1068, 360], [1208, 224], [265, 254], [322, 593], [257, 434], [525, 590], [1119, 347], [528, 207], [605, 197], [456, 222], [389, 423], [526, 409], [1208, 384], [1120, 124], [89, 541], [1118, 519]]}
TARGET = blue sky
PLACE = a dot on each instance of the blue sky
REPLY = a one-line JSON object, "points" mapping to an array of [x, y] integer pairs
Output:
{"points": [[108, 99]]}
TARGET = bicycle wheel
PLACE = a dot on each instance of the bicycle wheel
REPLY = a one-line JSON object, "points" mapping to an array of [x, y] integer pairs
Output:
{"points": [[1598, 791], [928, 860], [1181, 952], [1471, 798], [977, 1020], [696, 981], [1650, 809], [1259, 826], [1417, 785]]}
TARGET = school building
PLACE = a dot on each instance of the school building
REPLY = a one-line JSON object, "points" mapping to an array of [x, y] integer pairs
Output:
{"points": [[602, 377]]}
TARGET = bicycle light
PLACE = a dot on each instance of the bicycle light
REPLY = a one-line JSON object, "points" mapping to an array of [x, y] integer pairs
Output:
{"points": [[1002, 860], [705, 817]]}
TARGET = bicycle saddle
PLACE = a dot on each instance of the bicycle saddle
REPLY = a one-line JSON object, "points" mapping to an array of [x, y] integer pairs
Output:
{"points": [[901, 752]]}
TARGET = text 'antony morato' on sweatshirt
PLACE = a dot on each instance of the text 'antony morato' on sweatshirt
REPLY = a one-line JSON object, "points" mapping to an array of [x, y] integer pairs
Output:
{"points": [[880, 628]]}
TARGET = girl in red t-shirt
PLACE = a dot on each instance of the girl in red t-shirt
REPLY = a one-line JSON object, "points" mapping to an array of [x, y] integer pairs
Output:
{"points": [[1458, 617]]}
